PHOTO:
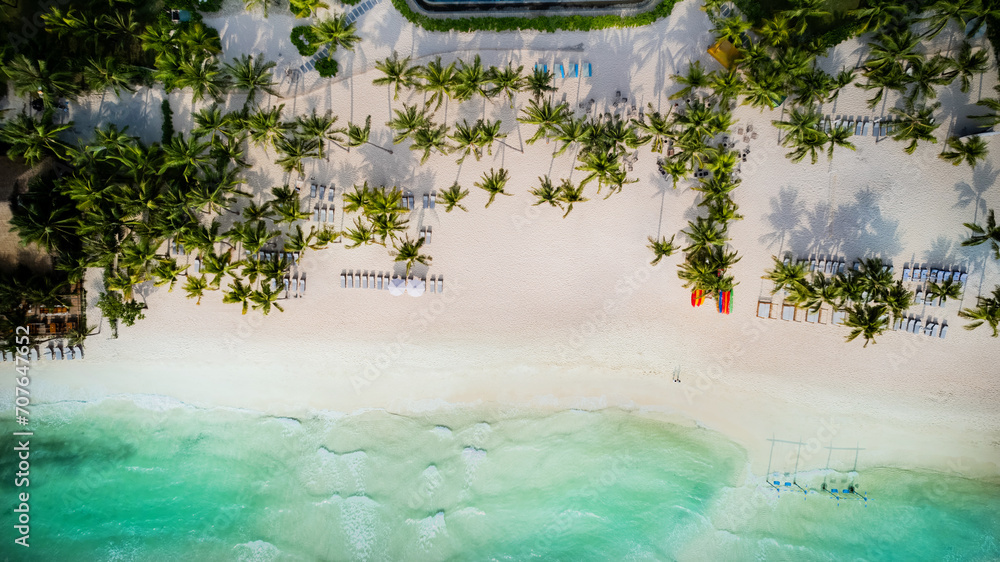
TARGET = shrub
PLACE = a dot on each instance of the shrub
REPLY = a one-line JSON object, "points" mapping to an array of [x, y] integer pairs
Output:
{"points": [[327, 68], [542, 23], [114, 309], [168, 122], [304, 39]]}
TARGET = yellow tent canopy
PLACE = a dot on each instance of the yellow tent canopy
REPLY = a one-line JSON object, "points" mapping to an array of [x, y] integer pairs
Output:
{"points": [[725, 53]]}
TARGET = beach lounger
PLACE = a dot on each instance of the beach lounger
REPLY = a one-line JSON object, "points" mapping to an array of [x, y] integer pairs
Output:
{"points": [[933, 331], [440, 284], [57, 353], [906, 274], [78, 350], [895, 324], [379, 281], [68, 353], [918, 298], [857, 128], [357, 280], [432, 285], [829, 268], [562, 71], [312, 190], [812, 316], [916, 327], [576, 71], [787, 312], [864, 128], [923, 275], [33, 353], [316, 214], [589, 70], [428, 235], [302, 287], [350, 280], [322, 192], [433, 199], [944, 331], [48, 353], [426, 200], [934, 275], [812, 265], [323, 215]]}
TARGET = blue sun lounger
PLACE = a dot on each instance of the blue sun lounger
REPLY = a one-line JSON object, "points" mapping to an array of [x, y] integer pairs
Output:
{"points": [[576, 71], [562, 71], [590, 71]]}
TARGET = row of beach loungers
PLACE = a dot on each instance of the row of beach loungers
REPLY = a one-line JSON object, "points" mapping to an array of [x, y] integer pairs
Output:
{"points": [[295, 286], [860, 125], [176, 248], [923, 275], [319, 192], [574, 69], [380, 281], [323, 214], [914, 326], [53, 352], [770, 310]]}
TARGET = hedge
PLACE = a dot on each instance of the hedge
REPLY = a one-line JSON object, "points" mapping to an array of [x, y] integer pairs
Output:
{"points": [[304, 39], [168, 122], [542, 23], [327, 68]]}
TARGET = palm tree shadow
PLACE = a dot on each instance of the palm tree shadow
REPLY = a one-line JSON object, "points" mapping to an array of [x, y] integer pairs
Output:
{"points": [[813, 235], [862, 230], [942, 252], [786, 213]]}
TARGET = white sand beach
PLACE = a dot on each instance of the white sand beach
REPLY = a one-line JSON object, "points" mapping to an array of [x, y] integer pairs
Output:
{"points": [[541, 311]]}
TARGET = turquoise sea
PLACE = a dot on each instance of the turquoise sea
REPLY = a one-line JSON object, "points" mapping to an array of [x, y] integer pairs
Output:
{"points": [[147, 479]]}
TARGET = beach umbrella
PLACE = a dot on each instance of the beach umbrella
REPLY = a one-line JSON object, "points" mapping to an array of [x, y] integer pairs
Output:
{"points": [[396, 286], [415, 287]]}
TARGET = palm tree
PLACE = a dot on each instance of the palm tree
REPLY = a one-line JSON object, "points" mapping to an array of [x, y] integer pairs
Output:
{"points": [[569, 132], [470, 80], [438, 80], [703, 234], [494, 183], [34, 140], [949, 289], [238, 293], [987, 311], [465, 139], [776, 31], [303, 9], [569, 194], [106, 73], [266, 297], [894, 48], [49, 228], [362, 233], [545, 116], [209, 121], [204, 77], [318, 128], [336, 32], [967, 64], [488, 132], [546, 193], [944, 11], [662, 248], [167, 271], [925, 74], [676, 168], [266, 126], [971, 151], [407, 122], [601, 166], [659, 128], [786, 275], [695, 78], [398, 74], [34, 77], [409, 251], [731, 29], [218, 265], [252, 76], [540, 82], [430, 138], [191, 157], [508, 81], [727, 85], [196, 287], [452, 197], [802, 10], [898, 299], [358, 136], [877, 14], [838, 136], [915, 123], [983, 234], [867, 321]]}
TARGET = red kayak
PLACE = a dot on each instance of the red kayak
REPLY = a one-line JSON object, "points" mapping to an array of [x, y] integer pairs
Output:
{"points": [[724, 301]]}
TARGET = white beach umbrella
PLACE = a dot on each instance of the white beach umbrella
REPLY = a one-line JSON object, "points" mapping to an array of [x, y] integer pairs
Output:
{"points": [[397, 286], [415, 287]]}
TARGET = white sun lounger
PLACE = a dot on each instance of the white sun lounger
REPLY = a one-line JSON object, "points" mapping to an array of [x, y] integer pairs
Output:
{"points": [[763, 309], [812, 316], [906, 274], [322, 215], [302, 287], [33, 353], [357, 280], [944, 331], [934, 275], [331, 192], [68, 353], [316, 214], [428, 236], [839, 317], [964, 278], [322, 192], [923, 275], [426, 200], [432, 285], [787, 312], [79, 352], [350, 280], [933, 331], [909, 325], [896, 323], [58, 353], [48, 353], [378, 280], [918, 297], [440, 284], [4, 353], [916, 327], [343, 280], [312, 190], [364, 281]]}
